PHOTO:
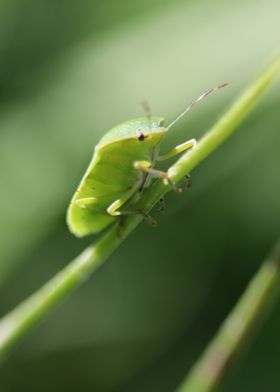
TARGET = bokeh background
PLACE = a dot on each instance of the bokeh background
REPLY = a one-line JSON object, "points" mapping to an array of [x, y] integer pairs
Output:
{"points": [[68, 72]]}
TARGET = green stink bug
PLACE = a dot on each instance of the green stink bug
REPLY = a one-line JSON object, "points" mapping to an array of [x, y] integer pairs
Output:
{"points": [[121, 167]]}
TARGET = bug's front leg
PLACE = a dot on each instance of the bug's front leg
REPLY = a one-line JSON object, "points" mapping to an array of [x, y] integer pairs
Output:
{"points": [[178, 149], [145, 166]]}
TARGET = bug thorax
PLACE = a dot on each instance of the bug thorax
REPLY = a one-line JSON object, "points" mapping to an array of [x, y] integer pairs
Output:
{"points": [[150, 135], [141, 129]]}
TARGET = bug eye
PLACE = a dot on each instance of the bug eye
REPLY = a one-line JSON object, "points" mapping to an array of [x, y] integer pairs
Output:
{"points": [[140, 135]]}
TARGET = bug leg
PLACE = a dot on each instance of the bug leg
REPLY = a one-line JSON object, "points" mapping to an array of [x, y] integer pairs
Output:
{"points": [[147, 217], [188, 181], [113, 211], [151, 221], [161, 204], [178, 149], [113, 208], [120, 225], [86, 201], [175, 151], [145, 166]]}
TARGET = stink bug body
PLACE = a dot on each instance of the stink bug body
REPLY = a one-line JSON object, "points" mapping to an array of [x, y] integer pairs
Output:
{"points": [[121, 167]]}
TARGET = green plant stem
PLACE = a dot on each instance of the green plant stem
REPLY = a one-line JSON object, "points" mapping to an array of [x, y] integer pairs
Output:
{"points": [[254, 303], [19, 321]]}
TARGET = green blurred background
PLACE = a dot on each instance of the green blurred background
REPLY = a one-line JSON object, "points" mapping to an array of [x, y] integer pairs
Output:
{"points": [[68, 72]]}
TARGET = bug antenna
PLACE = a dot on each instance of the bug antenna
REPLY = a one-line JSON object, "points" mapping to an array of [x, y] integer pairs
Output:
{"points": [[194, 102], [147, 110]]}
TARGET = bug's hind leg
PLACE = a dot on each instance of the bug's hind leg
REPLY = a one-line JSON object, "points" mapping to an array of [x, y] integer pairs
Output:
{"points": [[146, 216], [145, 166], [113, 210], [123, 214], [162, 204], [188, 181]]}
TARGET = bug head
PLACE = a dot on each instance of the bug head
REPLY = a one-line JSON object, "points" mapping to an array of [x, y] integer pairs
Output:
{"points": [[149, 128]]}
